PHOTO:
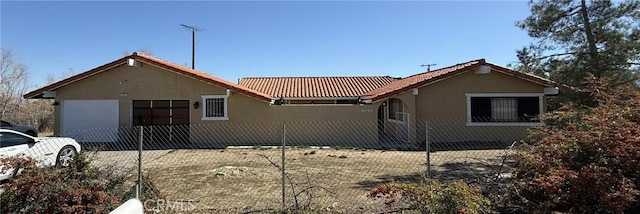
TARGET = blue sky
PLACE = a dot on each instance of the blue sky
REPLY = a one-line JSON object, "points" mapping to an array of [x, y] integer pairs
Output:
{"points": [[249, 39]]}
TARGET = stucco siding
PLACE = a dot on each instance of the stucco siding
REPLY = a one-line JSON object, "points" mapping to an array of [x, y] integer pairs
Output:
{"points": [[251, 121], [444, 105], [254, 122], [409, 106], [148, 82], [343, 125], [347, 126]]}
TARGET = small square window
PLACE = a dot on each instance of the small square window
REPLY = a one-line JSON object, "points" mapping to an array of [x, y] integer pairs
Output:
{"points": [[214, 107]]}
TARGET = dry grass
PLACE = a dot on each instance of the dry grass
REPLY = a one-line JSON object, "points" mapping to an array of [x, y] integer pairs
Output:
{"points": [[252, 183]]}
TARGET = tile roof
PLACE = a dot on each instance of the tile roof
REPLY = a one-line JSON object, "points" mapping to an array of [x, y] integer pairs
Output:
{"points": [[316, 87], [422, 79], [157, 62]]}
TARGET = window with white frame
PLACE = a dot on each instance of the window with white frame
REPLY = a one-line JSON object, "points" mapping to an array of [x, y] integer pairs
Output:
{"points": [[214, 107], [511, 109]]}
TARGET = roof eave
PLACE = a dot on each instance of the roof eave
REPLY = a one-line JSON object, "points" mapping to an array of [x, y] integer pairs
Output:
{"points": [[37, 94], [534, 79], [423, 83], [163, 65]]}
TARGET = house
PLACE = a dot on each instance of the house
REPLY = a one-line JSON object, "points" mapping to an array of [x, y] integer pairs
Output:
{"points": [[473, 101], [196, 110]]}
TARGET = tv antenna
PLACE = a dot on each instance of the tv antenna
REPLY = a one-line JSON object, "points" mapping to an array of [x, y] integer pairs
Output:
{"points": [[428, 66], [193, 42]]}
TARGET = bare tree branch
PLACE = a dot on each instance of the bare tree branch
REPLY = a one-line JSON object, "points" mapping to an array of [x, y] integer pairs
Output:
{"points": [[13, 82], [307, 186], [291, 184]]}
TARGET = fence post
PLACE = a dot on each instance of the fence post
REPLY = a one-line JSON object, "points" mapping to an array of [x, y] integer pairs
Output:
{"points": [[428, 148], [139, 185], [284, 143]]}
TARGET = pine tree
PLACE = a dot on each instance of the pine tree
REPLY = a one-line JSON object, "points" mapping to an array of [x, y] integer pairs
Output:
{"points": [[573, 38]]}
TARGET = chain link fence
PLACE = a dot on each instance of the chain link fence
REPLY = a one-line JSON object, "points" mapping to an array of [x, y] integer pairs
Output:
{"points": [[322, 165]]}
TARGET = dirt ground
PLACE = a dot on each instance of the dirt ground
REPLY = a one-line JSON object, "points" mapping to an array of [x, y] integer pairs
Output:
{"points": [[240, 180]]}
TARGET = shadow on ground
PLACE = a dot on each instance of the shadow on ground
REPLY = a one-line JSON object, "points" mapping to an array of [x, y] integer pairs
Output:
{"points": [[476, 171], [379, 180], [470, 172]]}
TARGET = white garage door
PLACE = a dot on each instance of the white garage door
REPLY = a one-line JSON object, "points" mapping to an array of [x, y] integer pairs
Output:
{"points": [[90, 120]]}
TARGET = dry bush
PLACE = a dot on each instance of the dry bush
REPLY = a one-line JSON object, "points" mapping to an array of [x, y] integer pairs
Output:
{"points": [[585, 160]]}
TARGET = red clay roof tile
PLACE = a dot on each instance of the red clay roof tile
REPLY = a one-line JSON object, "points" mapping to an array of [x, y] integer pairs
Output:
{"points": [[267, 88], [421, 79], [204, 76], [316, 87], [154, 61]]}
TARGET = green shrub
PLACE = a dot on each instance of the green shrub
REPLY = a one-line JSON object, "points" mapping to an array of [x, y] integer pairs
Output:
{"points": [[80, 188], [586, 159], [434, 197]]}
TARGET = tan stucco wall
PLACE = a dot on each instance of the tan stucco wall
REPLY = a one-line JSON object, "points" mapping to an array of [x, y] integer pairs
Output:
{"points": [[444, 105], [152, 83], [409, 106], [255, 122], [348, 125], [251, 121]]}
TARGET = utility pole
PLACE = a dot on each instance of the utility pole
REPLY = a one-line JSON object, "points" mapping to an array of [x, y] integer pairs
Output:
{"points": [[428, 66], [193, 43]]}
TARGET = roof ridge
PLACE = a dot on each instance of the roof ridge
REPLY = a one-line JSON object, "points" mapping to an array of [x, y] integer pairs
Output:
{"points": [[179, 66], [164, 64], [446, 72], [520, 72], [205, 75], [481, 60], [166, 61]]}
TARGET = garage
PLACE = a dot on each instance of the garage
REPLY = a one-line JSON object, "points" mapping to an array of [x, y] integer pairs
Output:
{"points": [[90, 120], [166, 122]]}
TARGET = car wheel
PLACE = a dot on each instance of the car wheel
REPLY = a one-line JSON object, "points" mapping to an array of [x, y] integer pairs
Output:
{"points": [[66, 155]]}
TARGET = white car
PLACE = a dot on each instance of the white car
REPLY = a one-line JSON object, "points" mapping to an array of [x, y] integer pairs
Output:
{"points": [[46, 151]]}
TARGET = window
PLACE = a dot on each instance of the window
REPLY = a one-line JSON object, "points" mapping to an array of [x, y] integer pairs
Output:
{"points": [[504, 109], [10, 139], [395, 109], [214, 107]]}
